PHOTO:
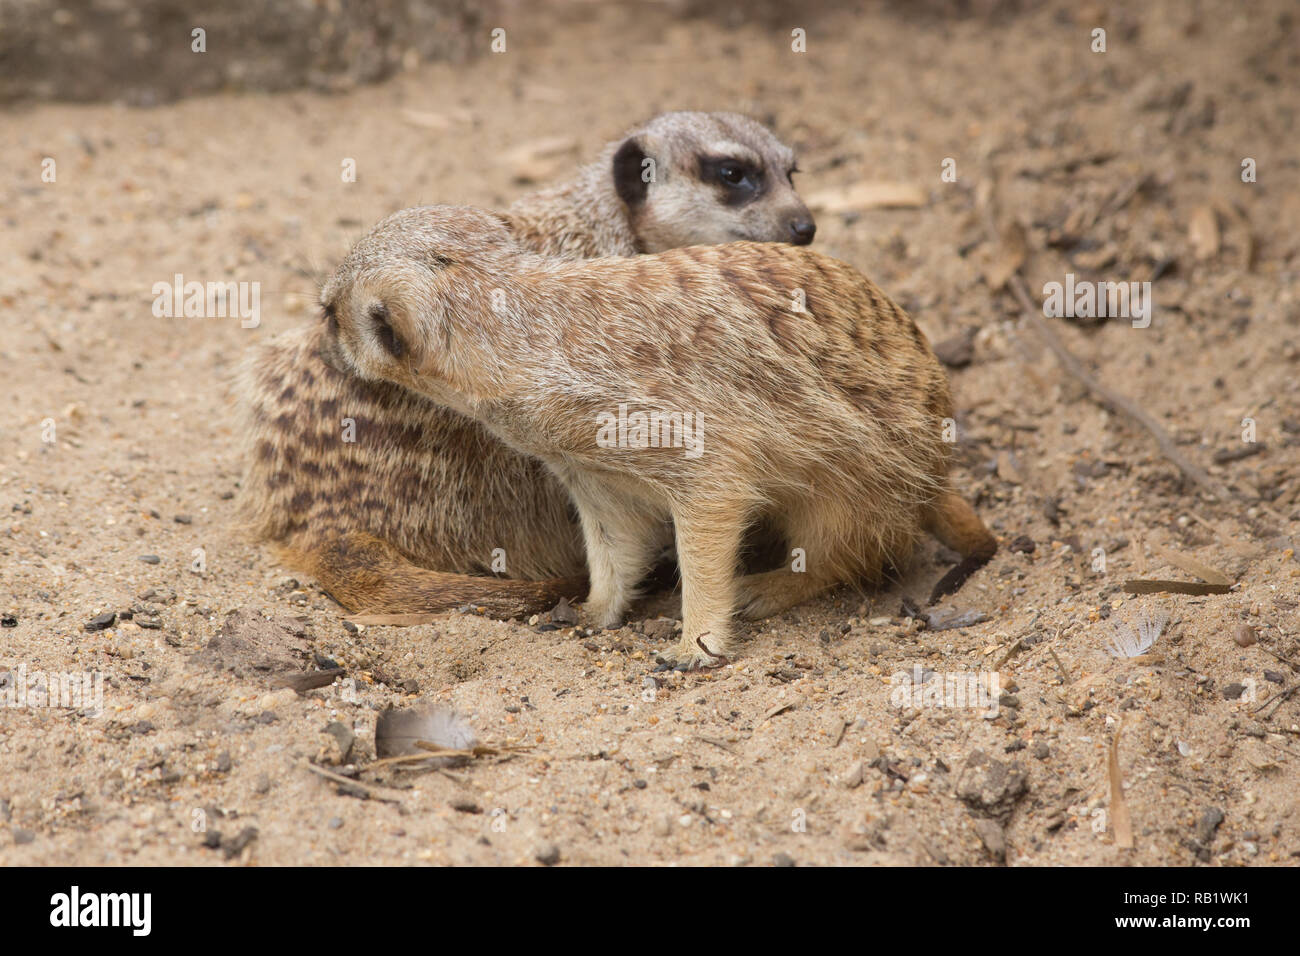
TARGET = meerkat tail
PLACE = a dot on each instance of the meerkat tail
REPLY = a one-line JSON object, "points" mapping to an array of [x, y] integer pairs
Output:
{"points": [[954, 522], [370, 577]]}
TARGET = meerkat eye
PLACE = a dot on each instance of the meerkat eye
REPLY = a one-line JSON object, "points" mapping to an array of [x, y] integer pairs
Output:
{"points": [[331, 318], [382, 323], [733, 174]]}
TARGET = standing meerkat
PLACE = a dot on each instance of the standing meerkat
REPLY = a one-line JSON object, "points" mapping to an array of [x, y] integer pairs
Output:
{"points": [[395, 504], [685, 394]]}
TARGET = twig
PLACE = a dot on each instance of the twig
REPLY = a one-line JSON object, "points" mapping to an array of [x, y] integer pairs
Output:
{"points": [[1121, 822], [722, 744], [1277, 700], [1158, 586], [1016, 647], [1107, 397], [348, 782], [1065, 675], [1285, 660]]}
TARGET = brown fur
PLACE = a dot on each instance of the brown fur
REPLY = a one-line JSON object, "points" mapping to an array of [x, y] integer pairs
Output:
{"points": [[821, 402], [395, 520]]}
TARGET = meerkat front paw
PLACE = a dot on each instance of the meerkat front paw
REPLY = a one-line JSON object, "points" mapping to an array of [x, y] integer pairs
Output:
{"points": [[603, 612], [706, 651]]}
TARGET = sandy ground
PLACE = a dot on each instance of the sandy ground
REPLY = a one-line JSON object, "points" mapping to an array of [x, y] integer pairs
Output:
{"points": [[1120, 165]]}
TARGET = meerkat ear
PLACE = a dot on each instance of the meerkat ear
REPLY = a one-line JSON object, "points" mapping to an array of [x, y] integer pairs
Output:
{"points": [[628, 181]]}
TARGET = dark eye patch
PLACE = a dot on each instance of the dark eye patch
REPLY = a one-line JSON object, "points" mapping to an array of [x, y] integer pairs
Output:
{"points": [[331, 318], [383, 326], [742, 182]]}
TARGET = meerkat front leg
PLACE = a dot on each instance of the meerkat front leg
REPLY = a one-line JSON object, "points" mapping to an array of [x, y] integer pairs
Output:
{"points": [[708, 551]]}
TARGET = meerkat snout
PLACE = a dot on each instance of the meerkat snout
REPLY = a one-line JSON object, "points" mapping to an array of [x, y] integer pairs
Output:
{"points": [[803, 231]]}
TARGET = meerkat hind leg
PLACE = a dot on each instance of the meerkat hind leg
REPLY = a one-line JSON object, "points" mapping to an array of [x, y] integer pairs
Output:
{"points": [[368, 575], [770, 592], [820, 532], [622, 542]]}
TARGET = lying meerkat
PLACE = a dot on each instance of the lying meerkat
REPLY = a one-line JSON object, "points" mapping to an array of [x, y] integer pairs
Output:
{"points": [[813, 401], [391, 501]]}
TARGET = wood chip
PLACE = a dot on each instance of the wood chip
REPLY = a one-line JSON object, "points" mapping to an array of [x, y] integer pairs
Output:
{"points": [[533, 162], [1203, 233], [870, 195], [1012, 249], [311, 680], [778, 709], [1154, 586], [434, 121], [1191, 566]]}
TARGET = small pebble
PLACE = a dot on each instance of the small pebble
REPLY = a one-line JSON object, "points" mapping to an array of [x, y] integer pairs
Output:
{"points": [[105, 620], [1244, 635], [548, 854]]}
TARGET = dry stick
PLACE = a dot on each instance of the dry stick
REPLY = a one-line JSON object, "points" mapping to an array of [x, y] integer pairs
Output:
{"points": [[1065, 675], [1285, 660], [343, 781], [1277, 700], [1121, 821], [1016, 647]]}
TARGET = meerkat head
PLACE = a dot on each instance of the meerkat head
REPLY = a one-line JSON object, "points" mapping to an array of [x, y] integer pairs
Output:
{"points": [[708, 178], [403, 305]]}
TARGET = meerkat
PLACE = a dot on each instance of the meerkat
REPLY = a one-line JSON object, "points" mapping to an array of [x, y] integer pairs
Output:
{"points": [[395, 504], [681, 395]]}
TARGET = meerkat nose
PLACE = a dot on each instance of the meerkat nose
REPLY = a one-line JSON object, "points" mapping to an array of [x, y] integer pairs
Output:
{"points": [[802, 231]]}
